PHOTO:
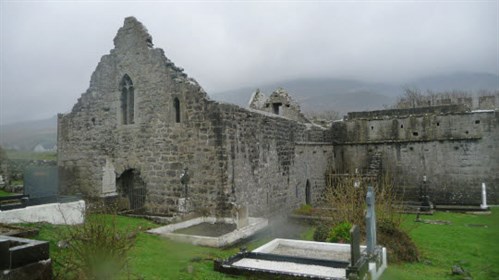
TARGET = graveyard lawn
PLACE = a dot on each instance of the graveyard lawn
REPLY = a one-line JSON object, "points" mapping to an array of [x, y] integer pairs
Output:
{"points": [[470, 241], [4, 193], [155, 257], [464, 242]]}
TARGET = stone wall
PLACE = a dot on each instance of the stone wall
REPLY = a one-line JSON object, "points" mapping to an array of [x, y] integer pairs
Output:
{"points": [[456, 150], [143, 121], [269, 161]]}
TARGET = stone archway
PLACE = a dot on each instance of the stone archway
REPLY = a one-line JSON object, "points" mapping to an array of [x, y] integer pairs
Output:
{"points": [[131, 186]]}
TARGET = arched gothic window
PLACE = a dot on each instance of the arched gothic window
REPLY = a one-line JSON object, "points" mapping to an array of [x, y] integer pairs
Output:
{"points": [[176, 106], [127, 100]]}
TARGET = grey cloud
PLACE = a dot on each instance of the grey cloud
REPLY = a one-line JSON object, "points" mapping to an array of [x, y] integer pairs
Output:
{"points": [[49, 49]]}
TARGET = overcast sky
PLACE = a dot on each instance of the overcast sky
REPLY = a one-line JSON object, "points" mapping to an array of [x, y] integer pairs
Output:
{"points": [[49, 49]]}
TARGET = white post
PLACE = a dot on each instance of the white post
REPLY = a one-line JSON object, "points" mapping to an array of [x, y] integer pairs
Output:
{"points": [[484, 197]]}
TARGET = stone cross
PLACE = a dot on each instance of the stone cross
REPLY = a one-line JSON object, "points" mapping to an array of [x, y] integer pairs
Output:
{"points": [[484, 197], [370, 221]]}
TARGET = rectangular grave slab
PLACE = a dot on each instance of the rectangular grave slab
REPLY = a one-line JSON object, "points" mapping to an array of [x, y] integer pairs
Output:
{"points": [[17, 252]]}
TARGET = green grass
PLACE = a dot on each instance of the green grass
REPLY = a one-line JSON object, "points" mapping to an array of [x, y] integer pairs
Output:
{"points": [[154, 257], [476, 249], [441, 246], [4, 193], [29, 155]]}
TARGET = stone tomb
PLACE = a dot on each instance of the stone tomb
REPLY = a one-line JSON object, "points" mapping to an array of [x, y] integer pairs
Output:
{"points": [[22, 258], [184, 232], [317, 260]]}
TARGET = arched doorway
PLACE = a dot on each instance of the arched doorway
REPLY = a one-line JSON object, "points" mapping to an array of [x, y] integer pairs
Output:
{"points": [[131, 186], [308, 193]]}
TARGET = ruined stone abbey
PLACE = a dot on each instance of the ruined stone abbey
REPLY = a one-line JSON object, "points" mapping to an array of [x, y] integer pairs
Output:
{"points": [[143, 124]]}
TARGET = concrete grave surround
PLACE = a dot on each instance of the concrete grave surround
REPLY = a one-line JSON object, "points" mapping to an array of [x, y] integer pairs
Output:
{"points": [[309, 250], [68, 213], [142, 121], [254, 225], [22, 258]]}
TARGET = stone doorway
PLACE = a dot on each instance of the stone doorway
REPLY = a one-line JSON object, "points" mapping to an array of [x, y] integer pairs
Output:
{"points": [[308, 193], [131, 186]]}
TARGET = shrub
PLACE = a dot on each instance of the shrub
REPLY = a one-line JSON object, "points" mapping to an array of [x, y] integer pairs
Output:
{"points": [[346, 196], [399, 245], [321, 232], [97, 249], [305, 209], [340, 233]]}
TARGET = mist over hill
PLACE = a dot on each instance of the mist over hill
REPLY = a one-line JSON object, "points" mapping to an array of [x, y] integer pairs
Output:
{"points": [[315, 94], [341, 95], [464, 81], [346, 95], [27, 135]]}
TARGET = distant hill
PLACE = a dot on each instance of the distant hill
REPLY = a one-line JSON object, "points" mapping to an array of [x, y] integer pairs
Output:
{"points": [[457, 81], [345, 96], [340, 95], [27, 135]]}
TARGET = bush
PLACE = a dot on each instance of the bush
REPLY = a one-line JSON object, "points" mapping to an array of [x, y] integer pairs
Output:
{"points": [[340, 233], [96, 249], [305, 209], [346, 195], [321, 233], [399, 245]]}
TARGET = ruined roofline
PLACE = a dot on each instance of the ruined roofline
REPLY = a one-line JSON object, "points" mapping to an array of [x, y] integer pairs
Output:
{"points": [[389, 113]]}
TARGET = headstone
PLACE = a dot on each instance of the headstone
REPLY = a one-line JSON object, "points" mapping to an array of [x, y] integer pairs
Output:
{"points": [[1, 181], [242, 216], [41, 181], [108, 178], [370, 221], [484, 197], [184, 180], [354, 245], [183, 205]]}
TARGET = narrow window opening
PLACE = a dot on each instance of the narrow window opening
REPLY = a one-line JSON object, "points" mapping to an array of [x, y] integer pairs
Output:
{"points": [[176, 106], [372, 127], [411, 148], [415, 133], [401, 126], [308, 193], [127, 100], [276, 108], [467, 132], [477, 122], [438, 124]]}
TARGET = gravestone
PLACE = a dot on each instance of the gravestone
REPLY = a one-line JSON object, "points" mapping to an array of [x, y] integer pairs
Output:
{"points": [[2, 183], [183, 205], [354, 244], [371, 221], [41, 182], [184, 180], [484, 197], [108, 178], [242, 216]]}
